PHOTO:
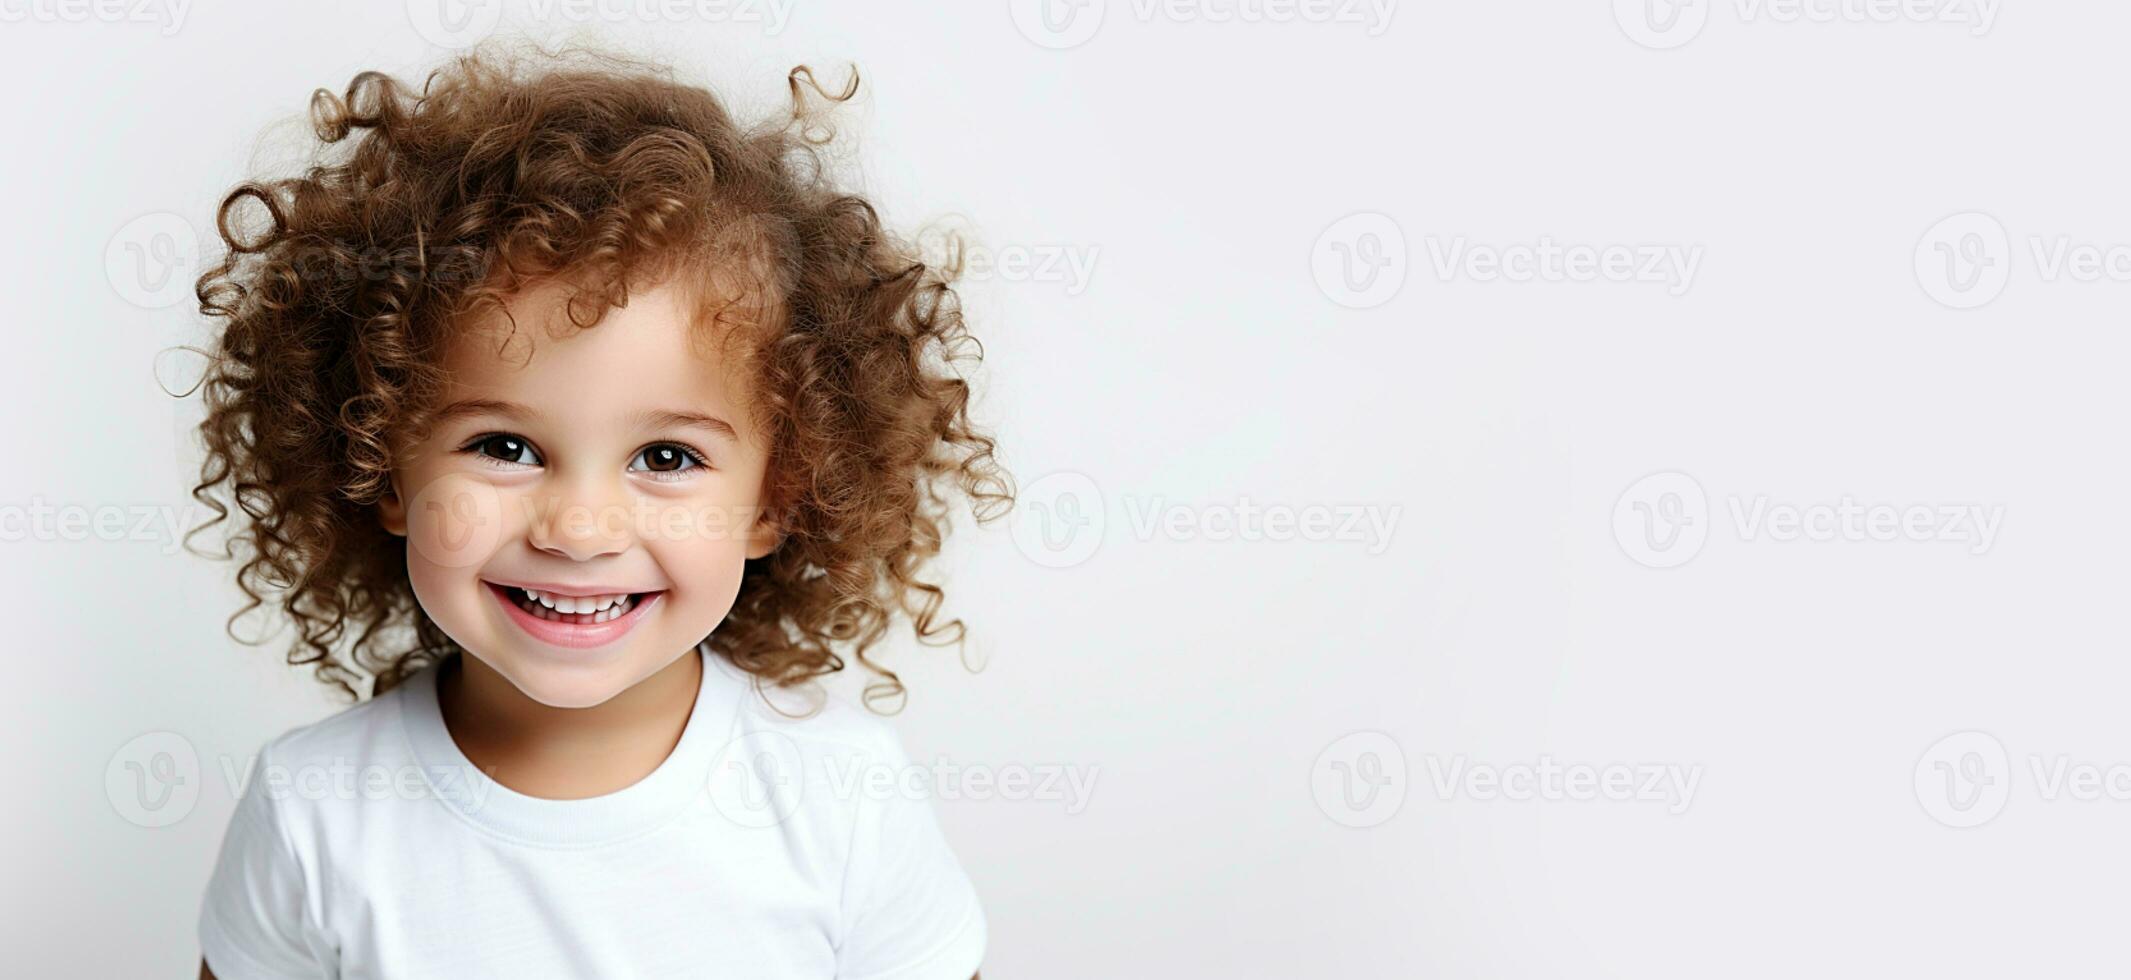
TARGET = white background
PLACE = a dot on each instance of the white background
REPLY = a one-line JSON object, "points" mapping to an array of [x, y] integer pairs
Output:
{"points": [[1205, 363]]}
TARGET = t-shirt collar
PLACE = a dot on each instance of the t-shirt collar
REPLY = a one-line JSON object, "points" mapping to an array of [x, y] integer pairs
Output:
{"points": [[638, 808]]}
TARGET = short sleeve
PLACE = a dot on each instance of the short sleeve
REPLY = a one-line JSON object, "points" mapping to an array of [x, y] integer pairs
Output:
{"points": [[909, 911], [252, 917]]}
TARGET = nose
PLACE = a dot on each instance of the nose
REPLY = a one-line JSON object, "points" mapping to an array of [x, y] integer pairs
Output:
{"points": [[584, 518]]}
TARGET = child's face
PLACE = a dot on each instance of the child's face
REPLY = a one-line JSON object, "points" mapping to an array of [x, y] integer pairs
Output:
{"points": [[616, 461]]}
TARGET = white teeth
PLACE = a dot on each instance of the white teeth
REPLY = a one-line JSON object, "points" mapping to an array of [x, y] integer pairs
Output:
{"points": [[549, 606], [575, 604]]}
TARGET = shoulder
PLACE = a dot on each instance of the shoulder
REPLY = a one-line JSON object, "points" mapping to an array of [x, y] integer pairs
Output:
{"points": [[813, 765], [816, 722], [332, 778], [300, 809], [836, 781], [368, 731]]}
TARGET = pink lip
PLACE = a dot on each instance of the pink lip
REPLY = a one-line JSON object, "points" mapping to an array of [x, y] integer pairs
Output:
{"points": [[572, 635]]}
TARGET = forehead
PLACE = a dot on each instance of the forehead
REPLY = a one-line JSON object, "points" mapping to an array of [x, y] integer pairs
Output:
{"points": [[660, 352]]}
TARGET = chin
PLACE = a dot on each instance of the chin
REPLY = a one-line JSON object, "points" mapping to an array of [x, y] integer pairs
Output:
{"points": [[561, 685]]}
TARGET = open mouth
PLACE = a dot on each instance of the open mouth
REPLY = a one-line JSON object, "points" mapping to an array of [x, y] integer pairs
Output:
{"points": [[573, 621], [574, 610]]}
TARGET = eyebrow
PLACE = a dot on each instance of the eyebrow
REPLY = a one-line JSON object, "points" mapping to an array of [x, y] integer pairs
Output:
{"points": [[650, 419], [470, 407], [662, 419]]}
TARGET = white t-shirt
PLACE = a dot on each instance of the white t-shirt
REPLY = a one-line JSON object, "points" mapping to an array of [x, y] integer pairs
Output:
{"points": [[366, 845]]}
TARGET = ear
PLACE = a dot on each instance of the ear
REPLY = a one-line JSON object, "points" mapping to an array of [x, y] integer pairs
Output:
{"points": [[764, 537], [392, 508]]}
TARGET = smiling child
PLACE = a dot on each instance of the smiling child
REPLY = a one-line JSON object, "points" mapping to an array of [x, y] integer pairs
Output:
{"points": [[587, 427]]}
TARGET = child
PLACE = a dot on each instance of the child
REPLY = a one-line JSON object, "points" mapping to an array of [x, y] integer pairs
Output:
{"points": [[590, 426]]}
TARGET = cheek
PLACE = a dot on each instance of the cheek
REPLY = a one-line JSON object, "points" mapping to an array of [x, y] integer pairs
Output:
{"points": [[443, 594], [703, 551], [454, 524], [711, 575], [454, 521]]}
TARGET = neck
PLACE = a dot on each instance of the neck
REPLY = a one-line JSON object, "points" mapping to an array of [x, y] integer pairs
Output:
{"points": [[565, 753]]}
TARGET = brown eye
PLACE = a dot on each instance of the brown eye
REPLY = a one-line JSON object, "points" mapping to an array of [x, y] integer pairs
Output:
{"points": [[666, 458], [507, 448]]}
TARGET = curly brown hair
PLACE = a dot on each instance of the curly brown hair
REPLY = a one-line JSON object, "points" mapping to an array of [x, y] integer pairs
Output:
{"points": [[339, 286]]}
